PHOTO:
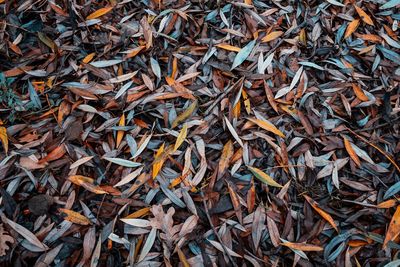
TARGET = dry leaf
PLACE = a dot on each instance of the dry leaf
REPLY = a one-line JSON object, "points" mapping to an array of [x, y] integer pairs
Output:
{"points": [[321, 212]]}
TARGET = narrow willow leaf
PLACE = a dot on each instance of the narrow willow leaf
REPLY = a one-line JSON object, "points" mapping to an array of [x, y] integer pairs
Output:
{"points": [[263, 177], [181, 137], [4, 138], [364, 16], [148, 245], [98, 13], [233, 132], [351, 28], [390, 4], [321, 212], [184, 115], [243, 54], [272, 36], [267, 126], [123, 162], [394, 227]]}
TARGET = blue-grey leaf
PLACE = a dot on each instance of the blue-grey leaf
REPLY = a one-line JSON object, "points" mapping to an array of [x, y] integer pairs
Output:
{"points": [[34, 96], [390, 4], [394, 189], [243, 54]]}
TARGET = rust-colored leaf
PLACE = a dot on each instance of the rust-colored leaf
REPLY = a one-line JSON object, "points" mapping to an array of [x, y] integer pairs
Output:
{"points": [[364, 16], [351, 152], [359, 92], [55, 154], [394, 227], [351, 28], [321, 212]]}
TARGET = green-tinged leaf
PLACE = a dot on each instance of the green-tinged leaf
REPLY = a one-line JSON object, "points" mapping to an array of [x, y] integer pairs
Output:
{"points": [[263, 177], [181, 137]]}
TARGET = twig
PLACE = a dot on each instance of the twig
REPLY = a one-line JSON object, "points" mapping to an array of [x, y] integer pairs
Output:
{"points": [[215, 231]]}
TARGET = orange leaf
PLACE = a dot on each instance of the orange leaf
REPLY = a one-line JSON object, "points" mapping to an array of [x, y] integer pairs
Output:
{"points": [[351, 152], [88, 58], [364, 16], [120, 134], [226, 156], [158, 161], [228, 47], [87, 183], [359, 93], [321, 212], [57, 153], [4, 138], [272, 36], [394, 227], [267, 126], [138, 213], [75, 217], [352, 27], [387, 204], [371, 37], [302, 246], [135, 51], [100, 12]]}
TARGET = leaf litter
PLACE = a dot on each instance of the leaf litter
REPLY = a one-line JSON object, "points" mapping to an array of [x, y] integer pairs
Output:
{"points": [[199, 133]]}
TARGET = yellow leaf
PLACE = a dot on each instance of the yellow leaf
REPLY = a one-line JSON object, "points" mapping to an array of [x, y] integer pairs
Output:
{"points": [[352, 27], [267, 126], [394, 227], [321, 212], [182, 258], [263, 177], [351, 152], [88, 58], [272, 36], [184, 115], [100, 12], [181, 137], [302, 246], [303, 37], [4, 138], [364, 16], [75, 217], [359, 93], [227, 153], [228, 47], [120, 134], [236, 110], [158, 161]]}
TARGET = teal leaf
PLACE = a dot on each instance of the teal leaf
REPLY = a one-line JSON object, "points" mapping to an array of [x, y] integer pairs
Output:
{"points": [[243, 54]]}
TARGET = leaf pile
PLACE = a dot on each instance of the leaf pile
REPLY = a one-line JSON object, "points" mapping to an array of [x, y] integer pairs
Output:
{"points": [[199, 133]]}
